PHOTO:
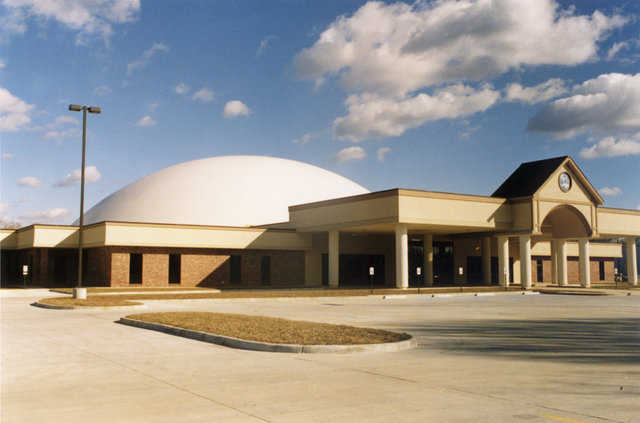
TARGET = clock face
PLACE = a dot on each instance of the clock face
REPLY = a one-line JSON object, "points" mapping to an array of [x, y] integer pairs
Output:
{"points": [[564, 180]]}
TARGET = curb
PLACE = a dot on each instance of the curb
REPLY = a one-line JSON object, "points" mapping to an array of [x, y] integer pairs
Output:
{"points": [[58, 307], [573, 292], [228, 341]]}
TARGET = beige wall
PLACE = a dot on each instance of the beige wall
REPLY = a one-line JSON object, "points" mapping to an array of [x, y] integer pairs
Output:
{"points": [[337, 213], [454, 210], [615, 222]]}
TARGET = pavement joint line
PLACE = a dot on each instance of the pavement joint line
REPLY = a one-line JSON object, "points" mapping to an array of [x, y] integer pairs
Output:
{"points": [[163, 381], [533, 404]]}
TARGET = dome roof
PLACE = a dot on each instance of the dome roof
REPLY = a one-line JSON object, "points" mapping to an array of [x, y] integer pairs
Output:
{"points": [[224, 191]]}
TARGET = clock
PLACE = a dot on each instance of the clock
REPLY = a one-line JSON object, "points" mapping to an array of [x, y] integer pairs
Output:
{"points": [[564, 180]]}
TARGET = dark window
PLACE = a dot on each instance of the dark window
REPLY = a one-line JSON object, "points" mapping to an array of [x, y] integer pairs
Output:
{"points": [[325, 269], [539, 270], [174, 268], [135, 268], [474, 269], [265, 269], [236, 269], [601, 269]]}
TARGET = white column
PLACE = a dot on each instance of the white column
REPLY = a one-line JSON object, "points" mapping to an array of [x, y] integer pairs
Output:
{"points": [[334, 258], [428, 259], [585, 270], [486, 260], [562, 263], [402, 257], [525, 261], [503, 260], [632, 261], [553, 245]]}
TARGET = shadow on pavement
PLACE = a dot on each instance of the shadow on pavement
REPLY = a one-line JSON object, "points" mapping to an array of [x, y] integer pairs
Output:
{"points": [[576, 340]]}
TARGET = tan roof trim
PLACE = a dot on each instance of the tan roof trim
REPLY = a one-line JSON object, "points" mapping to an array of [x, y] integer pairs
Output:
{"points": [[585, 181], [399, 192], [571, 202], [342, 200], [619, 211], [450, 196], [181, 226]]}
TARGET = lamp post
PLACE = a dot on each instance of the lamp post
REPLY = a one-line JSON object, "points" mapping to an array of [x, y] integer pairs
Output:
{"points": [[79, 292]]}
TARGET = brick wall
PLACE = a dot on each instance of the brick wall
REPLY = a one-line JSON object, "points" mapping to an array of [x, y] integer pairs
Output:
{"points": [[206, 270], [119, 269], [95, 271], [155, 269], [573, 269], [207, 267]]}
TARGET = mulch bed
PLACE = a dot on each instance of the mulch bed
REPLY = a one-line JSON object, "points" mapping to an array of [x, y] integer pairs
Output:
{"points": [[271, 329]]}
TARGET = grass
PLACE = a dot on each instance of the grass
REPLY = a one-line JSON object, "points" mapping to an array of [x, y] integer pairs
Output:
{"points": [[128, 299], [97, 301], [271, 329], [129, 289]]}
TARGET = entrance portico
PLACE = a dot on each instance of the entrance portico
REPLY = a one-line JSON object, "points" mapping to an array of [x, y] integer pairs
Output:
{"points": [[543, 217]]}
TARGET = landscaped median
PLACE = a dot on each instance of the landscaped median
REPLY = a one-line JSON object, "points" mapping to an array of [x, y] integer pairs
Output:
{"points": [[117, 298], [68, 303], [269, 333], [106, 297]]}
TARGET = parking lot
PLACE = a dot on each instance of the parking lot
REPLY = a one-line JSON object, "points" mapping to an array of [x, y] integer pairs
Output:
{"points": [[490, 358]]}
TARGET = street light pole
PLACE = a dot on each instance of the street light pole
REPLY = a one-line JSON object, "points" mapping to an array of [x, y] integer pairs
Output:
{"points": [[81, 223], [84, 109]]}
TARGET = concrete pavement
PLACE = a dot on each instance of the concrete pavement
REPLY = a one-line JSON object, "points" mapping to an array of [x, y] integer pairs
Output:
{"points": [[501, 358]]}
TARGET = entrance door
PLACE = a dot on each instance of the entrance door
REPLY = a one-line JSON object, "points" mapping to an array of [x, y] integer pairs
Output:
{"points": [[443, 263]]}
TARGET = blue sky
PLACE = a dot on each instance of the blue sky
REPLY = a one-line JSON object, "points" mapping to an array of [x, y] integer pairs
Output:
{"points": [[443, 96]]}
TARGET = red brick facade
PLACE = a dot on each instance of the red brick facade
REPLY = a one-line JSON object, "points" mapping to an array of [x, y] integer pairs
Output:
{"points": [[207, 267], [573, 270]]}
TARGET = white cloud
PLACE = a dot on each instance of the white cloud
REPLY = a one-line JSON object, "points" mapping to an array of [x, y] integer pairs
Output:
{"points": [[393, 49], [91, 174], [2, 64], [87, 17], [303, 139], [350, 154], [102, 90], [382, 152], [146, 121], [615, 49], [7, 156], [235, 108], [4, 207], [144, 60], [60, 135], [153, 106], [264, 44], [204, 95], [30, 181], [373, 116], [14, 113], [606, 104], [64, 119], [384, 53], [310, 136], [181, 88], [610, 191], [552, 88], [50, 215], [612, 147]]}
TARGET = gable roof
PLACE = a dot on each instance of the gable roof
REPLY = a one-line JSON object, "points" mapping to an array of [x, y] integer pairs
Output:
{"points": [[528, 178]]}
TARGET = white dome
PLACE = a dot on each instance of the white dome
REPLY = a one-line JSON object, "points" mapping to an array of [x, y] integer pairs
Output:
{"points": [[224, 191]]}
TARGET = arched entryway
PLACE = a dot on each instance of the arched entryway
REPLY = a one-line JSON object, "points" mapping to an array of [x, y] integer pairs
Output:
{"points": [[562, 223]]}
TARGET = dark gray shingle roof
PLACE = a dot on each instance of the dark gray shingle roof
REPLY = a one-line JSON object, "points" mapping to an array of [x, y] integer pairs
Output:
{"points": [[528, 178]]}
